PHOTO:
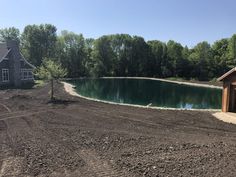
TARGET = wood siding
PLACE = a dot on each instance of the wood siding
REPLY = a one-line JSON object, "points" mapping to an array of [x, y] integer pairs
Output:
{"points": [[14, 64], [225, 97], [229, 93]]}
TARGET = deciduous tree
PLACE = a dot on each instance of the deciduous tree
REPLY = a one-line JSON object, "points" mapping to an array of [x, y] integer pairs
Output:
{"points": [[50, 71], [38, 42], [11, 33]]}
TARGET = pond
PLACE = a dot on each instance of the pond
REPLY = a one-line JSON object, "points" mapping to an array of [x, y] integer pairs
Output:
{"points": [[149, 92]]}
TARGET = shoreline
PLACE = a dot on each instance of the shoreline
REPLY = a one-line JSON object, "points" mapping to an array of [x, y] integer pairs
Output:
{"points": [[170, 81], [225, 117], [157, 79], [69, 89]]}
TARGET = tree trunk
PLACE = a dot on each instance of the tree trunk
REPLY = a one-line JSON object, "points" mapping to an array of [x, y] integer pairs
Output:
{"points": [[52, 91]]}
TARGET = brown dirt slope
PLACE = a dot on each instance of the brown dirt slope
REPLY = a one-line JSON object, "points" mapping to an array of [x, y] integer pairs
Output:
{"points": [[77, 137]]}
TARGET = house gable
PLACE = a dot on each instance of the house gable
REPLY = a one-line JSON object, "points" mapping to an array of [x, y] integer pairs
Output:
{"points": [[14, 65]]}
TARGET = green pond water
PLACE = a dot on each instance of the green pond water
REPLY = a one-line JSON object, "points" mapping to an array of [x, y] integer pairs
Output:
{"points": [[144, 92]]}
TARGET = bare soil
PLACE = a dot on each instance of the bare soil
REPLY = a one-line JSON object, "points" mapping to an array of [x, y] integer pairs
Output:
{"points": [[76, 137]]}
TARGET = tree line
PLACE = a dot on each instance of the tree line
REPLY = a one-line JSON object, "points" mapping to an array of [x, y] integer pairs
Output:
{"points": [[123, 54]]}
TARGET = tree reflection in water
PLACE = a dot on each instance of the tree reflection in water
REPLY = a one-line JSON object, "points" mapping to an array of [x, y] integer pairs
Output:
{"points": [[144, 92]]}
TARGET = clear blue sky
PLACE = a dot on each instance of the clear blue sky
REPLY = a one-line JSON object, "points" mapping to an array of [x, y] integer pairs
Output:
{"points": [[185, 21]]}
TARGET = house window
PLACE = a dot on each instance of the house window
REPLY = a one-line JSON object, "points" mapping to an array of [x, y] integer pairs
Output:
{"points": [[5, 75], [26, 74]]}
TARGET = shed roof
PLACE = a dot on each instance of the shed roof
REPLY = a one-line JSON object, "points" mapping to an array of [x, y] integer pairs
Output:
{"points": [[226, 74]]}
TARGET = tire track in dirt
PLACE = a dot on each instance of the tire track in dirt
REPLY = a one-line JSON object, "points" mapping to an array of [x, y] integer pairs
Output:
{"points": [[11, 163], [6, 107], [15, 158], [100, 167], [105, 115], [3, 125], [20, 114], [45, 135], [24, 115], [94, 164]]}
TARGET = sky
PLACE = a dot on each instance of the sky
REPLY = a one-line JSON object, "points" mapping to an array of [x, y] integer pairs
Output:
{"points": [[185, 21]]}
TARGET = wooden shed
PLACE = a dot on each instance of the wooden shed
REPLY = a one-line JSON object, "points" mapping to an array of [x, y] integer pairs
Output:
{"points": [[229, 91]]}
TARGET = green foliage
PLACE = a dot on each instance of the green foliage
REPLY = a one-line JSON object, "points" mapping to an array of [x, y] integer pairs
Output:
{"points": [[174, 56], [11, 33], [71, 52], [158, 52], [201, 60], [102, 57], [123, 55], [139, 62], [221, 63], [232, 51], [38, 42], [50, 70], [38, 83], [121, 46]]}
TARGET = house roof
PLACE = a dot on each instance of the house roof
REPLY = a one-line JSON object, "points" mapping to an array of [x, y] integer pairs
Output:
{"points": [[3, 50], [226, 74], [22, 57]]}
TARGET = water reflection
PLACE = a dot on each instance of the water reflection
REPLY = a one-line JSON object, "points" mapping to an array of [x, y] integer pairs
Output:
{"points": [[144, 92]]}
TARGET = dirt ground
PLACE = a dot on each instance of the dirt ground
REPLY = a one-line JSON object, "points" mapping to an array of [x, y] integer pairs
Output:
{"points": [[76, 137]]}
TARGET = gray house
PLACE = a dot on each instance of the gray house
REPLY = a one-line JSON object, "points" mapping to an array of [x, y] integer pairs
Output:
{"points": [[14, 69]]}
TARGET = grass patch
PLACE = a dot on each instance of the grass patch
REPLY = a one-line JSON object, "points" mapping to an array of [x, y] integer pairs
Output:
{"points": [[38, 83]]}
